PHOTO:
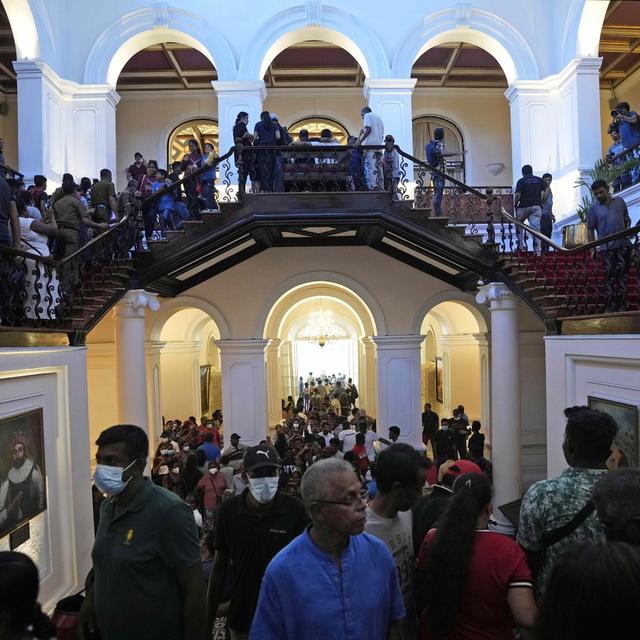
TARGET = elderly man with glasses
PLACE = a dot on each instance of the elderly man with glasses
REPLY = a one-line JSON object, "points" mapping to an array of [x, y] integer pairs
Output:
{"points": [[333, 581]]}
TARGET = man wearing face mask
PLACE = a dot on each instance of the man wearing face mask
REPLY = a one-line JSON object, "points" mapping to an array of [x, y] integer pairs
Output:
{"points": [[146, 551], [251, 528]]}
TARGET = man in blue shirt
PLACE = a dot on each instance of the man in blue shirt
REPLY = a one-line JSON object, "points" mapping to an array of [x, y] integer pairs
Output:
{"points": [[628, 123], [213, 453], [333, 581]]}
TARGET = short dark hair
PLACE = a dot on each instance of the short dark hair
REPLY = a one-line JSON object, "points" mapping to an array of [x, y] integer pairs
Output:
{"points": [[547, 175], [360, 438], [475, 425], [137, 153], [598, 184], [325, 133], [527, 169], [438, 133], [241, 114], [623, 105], [39, 180], [365, 110], [134, 439], [105, 174], [590, 433], [303, 134], [398, 463], [394, 429]]}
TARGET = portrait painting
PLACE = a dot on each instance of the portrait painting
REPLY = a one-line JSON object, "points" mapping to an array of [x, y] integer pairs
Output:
{"points": [[626, 445], [22, 473]]}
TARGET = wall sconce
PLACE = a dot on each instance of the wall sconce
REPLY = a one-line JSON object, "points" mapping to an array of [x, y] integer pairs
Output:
{"points": [[495, 168]]}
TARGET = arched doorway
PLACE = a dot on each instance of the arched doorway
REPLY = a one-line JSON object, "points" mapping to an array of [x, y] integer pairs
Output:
{"points": [[315, 124], [188, 375], [201, 130], [296, 324], [455, 361], [423, 128]]}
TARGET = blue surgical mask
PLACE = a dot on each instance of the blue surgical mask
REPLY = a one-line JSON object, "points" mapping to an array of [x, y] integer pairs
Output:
{"points": [[263, 489], [109, 480]]}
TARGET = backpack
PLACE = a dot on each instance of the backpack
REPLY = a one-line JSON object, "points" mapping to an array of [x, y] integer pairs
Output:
{"points": [[433, 155]]}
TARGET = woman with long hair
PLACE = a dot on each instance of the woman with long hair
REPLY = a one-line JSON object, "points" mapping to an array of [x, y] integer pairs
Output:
{"points": [[474, 583], [191, 162], [593, 592], [20, 613]]}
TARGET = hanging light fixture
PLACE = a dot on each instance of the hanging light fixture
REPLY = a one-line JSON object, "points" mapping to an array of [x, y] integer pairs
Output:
{"points": [[321, 329]]}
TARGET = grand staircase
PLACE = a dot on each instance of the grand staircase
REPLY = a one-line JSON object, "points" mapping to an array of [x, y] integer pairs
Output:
{"points": [[476, 241]]}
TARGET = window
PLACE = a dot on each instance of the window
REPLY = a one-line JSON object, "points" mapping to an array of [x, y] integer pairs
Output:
{"points": [[423, 132], [315, 124], [200, 130]]}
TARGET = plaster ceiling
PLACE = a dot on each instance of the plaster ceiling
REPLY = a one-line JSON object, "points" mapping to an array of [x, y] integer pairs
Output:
{"points": [[620, 43]]}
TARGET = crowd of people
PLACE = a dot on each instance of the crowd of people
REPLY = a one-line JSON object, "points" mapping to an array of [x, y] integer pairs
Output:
{"points": [[328, 529], [624, 151]]}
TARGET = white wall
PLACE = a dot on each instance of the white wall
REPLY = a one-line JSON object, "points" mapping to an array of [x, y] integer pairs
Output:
{"points": [[581, 366], [55, 380]]}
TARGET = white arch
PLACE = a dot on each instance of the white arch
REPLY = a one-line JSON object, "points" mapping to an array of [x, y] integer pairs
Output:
{"points": [[142, 28], [23, 28], [325, 284], [169, 307], [480, 314], [481, 28], [329, 24], [583, 28]]}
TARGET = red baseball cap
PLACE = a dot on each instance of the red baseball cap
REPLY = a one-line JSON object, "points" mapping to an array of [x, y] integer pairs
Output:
{"points": [[455, 468]]}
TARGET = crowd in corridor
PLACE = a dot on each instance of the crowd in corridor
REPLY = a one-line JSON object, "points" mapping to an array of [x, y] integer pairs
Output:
{"points": [[329, 529]]}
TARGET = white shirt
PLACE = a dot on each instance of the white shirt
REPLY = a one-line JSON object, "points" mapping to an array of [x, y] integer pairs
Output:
{"points": [[348, 439], [376, 136], [369, 438]]}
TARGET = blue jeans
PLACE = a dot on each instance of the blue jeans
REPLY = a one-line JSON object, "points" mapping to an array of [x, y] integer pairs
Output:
{"points": [[209, 193], [166, 218], [5, 238], [438, 190]]}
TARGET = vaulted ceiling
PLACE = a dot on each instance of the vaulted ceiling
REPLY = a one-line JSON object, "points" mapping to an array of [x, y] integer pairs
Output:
{"points": [[620, 42]]}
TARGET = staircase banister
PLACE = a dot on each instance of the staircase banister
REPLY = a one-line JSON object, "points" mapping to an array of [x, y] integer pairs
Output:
{"points": [[623, 153], [19, 253], [5, 167], [428, 167], [191, 176], [631, 231], [99, 238]]}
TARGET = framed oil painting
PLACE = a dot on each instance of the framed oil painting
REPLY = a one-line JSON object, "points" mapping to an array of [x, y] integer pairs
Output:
{"points": [[439, 380], [626, 445], [22, 473]]}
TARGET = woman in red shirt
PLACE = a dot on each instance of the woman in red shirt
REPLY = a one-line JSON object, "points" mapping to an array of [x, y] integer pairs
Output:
{"points": [[209, 492], [474, 584]]}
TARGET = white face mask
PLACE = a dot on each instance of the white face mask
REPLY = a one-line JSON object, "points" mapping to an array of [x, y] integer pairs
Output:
{"points": [[263, 489], [176, 469], [109, 480], [213, 471]]}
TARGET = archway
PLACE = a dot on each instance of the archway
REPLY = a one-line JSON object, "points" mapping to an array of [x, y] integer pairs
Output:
{"points": [[454, 360], [186, 374], [315, 124], [166, 74], [303, 318]]}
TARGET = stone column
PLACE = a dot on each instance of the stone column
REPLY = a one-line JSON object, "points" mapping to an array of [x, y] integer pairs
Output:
{"points": [[131, 367], [399, 394], [274, 383], [75, 124], [367, 375], [505, 396], [154, 386], [244, 392], [390, 98], [235, 96], [555, 125]]}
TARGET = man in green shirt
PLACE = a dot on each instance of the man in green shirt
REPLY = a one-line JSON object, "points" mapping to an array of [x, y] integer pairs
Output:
{"points": [[147, 576], [103, 198]]}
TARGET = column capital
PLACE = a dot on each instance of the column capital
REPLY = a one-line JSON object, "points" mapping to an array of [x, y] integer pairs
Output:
{"points": [[247, 347], [497, 295], [223, 87], [134, 303], [412, 341], [153, 347], [388, 85]]}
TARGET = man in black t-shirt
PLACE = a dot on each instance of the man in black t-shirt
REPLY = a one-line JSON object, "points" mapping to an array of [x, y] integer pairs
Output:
{"points": [[430, 423], [251, 529], [242, 136], [531, 192]]}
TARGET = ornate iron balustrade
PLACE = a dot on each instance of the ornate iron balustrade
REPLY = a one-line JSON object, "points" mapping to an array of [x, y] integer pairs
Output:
{"points": [[631, 173], [72, 294], [8, 172]]}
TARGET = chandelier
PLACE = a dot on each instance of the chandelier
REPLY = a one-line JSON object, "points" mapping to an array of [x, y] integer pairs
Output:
{"points": [[321, 329]]}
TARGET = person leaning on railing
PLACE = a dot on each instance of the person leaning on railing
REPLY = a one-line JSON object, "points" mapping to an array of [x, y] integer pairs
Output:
{"points": [[8, 216], [70, 214]]}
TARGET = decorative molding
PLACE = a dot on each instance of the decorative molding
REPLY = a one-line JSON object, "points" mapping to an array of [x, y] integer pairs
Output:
{"points": [[225, 88], [314, 13], [389, 343], [463, 15], [160, 15], [239, 347], [497, 295], [399, 86], [134, 303]]}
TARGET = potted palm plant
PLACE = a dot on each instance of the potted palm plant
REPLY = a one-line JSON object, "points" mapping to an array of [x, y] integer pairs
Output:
{"points": [[574, 235]]}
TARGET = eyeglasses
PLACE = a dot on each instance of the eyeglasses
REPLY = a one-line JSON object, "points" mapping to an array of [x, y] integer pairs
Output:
{"points": [[349, 501]]}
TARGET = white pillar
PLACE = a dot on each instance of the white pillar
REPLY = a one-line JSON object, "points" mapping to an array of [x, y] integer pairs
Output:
{"points": [[399, 394], [131, 367], [244, 393], [367, 377], [235, 96], [390, 98], [274, 383], [555, 127], [505, 396], [154, 385], [74, 124]]}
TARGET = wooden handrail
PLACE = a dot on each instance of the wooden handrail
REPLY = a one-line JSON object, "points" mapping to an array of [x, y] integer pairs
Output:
{"points": [[5, 167]]}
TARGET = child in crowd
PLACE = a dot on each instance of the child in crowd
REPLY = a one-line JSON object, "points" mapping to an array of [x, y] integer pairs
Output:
{"points": [[360, 452]]}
